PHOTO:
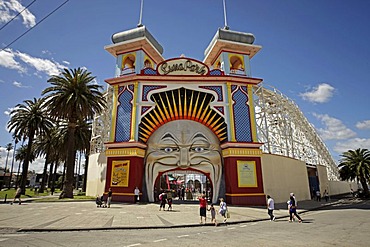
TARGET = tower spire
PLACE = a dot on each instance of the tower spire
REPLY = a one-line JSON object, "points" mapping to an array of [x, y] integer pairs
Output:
{"points": [[225, 18], [141, 13]]}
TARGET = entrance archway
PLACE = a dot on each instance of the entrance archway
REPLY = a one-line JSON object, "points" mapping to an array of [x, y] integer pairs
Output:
{"points": [[183, 145], [183, 185]]}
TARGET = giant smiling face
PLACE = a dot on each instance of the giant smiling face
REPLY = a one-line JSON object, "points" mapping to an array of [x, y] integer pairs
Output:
{"points": [[183, 144]]}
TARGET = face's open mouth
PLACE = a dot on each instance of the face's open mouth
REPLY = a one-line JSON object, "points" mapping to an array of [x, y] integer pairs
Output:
{"points": [[153, 170]]}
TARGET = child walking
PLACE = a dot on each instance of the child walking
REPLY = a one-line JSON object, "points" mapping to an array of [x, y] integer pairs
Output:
{"points": [[213, 214]]}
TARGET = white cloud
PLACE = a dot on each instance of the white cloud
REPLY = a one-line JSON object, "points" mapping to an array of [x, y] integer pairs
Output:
{"points": [[20, 85], [352, 144], [7, 112], [363, 125], [18, 61], [8, 60], [66, 62], [320, 94], [334, 128], [10, 8], [41, 65]]}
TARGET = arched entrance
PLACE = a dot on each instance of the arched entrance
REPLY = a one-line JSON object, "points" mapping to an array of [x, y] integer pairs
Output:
{"points": [[182, 146], [183, 185]]}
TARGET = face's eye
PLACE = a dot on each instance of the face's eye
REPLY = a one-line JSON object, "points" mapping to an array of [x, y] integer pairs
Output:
{"points": [[197, 149], [169, 149]]}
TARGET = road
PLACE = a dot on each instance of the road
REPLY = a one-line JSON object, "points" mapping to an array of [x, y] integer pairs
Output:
{"points": [[339, 225]]}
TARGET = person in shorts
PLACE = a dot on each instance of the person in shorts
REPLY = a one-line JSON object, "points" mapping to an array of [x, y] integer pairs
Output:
{"points": [[17, 196], [109, 199], [202, 208]]}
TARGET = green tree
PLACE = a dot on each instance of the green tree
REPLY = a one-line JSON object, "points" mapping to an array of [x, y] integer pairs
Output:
{"points": [[20, 156], [8, 147], [355, 164], [29, 119], [48, 146], [73, 96]]}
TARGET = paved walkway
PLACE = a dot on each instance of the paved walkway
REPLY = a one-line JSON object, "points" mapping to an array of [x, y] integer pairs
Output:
{"points": [[84, 215]]}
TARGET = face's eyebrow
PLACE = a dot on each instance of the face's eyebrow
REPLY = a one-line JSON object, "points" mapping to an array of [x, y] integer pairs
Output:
{"points": [[168, 135], [199, 135]]}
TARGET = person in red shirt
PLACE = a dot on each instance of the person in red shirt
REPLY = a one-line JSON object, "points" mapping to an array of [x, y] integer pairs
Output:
{"points": [[202, 208]]}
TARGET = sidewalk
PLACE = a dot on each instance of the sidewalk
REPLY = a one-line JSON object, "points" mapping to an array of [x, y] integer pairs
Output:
{"points": [[84, 215]]}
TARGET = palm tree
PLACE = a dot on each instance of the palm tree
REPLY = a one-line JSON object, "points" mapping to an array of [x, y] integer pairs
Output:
{"points": [[8, 147], [29, 119], [73, 96], [356, 165], [20, 156], [47, 145], [16, 140]]}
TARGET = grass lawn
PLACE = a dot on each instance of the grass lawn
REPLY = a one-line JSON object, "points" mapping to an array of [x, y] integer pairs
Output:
{"points": [[31, 194]]}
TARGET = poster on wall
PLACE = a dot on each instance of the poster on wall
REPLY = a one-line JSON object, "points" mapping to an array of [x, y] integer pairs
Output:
{"points": [[247, 176], [120, 173]]}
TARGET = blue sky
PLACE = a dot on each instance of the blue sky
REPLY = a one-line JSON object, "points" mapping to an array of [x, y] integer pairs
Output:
{"points": [[315, 52]]}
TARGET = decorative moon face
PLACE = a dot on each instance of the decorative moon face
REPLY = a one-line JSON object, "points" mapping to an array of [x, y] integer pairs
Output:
{"points": [[183, 144]]}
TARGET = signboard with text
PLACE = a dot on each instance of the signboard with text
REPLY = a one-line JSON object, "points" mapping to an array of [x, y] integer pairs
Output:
{"points": [[182, 66], [247, 176]]}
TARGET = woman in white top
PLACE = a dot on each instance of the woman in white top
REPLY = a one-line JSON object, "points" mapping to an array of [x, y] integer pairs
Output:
{"points": [[223, 209]]}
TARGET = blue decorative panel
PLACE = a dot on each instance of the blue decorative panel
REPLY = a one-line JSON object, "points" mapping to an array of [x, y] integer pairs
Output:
{"points": [[131, 87], [149, 71], [144, 109], [243, 132], [220, 109], [233, 87], [216, 72], [217, 89], [147, 89], [124, 112]]}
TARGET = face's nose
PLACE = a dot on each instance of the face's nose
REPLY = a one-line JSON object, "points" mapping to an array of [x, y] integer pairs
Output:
{"points": [[184, 157]]}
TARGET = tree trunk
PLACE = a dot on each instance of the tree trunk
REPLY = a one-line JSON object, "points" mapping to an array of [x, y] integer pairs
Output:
{"points": [[27, 161], [63, 176], [71, 153], [364, 186], [85, 173], [54, 175], [50, 177], [42, 186]]}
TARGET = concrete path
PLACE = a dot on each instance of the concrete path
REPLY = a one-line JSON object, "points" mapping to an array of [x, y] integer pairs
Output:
{"points": [[84, 215]]}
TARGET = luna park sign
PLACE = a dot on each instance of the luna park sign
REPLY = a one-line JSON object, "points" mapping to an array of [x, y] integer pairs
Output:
{"points": [[182, 66]]}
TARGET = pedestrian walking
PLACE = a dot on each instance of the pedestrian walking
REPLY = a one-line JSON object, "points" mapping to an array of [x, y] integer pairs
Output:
{"points": [[318, 195], [109, 199], [169, 200], [293, 209], [213, 214], [162, 200], [17, 195], [223, 209], [136, 194], [326, 195], [270, 207], [202, 208]]}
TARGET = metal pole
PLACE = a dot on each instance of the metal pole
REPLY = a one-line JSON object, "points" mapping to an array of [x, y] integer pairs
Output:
{"points": [[225, 18], [141, 13]]}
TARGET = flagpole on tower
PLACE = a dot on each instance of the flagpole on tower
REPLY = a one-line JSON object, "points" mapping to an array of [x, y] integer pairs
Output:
{"points": [[141, 13], [225, 18]]}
